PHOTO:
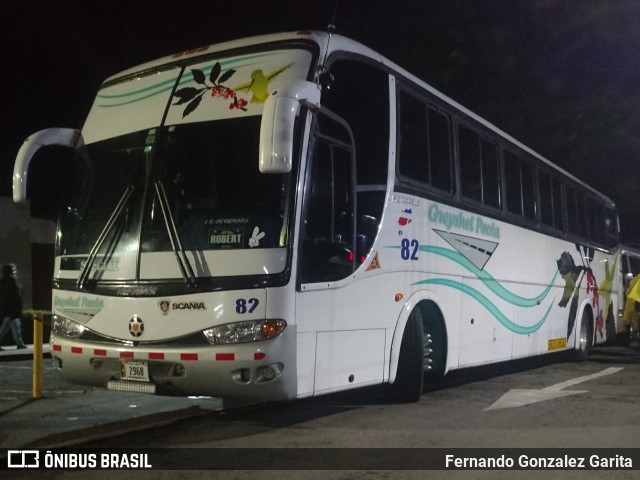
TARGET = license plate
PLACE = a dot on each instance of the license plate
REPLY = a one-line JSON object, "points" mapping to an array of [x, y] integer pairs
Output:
{"points": [[134, 370]]}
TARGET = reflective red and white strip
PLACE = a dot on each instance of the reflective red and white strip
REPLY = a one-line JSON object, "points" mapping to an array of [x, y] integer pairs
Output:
{"points": [[220, 357]]}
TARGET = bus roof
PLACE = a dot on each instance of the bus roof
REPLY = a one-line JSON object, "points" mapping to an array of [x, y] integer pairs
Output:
{"points": [[207, 50], [330, 43]]}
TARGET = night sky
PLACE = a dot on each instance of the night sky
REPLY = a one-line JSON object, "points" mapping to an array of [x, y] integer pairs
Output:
{"points": [[563, 77]]}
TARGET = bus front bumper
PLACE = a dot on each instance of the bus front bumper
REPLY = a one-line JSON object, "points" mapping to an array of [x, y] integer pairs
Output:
{"points": [[260, 371]]}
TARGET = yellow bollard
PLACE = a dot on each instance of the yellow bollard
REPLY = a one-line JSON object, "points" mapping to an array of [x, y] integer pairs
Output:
{"points": [[38, 363]]}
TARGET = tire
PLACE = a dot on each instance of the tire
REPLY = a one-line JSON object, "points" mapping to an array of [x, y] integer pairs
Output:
{"points": [[409, 382], [585, 338]]}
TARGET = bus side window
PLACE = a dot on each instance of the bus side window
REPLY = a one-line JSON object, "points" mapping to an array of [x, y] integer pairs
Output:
{"points": [[551, 209], [424, 144], [573, 219], [479, 167], [359, 93], [328, 244], [521, 187]]}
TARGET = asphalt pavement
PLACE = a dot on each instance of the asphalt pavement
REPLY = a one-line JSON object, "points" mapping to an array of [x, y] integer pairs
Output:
{"points": [[66, 414]]}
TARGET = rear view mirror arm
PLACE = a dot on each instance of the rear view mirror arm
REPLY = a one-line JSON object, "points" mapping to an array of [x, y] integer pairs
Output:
{"points": [[64, 137]]}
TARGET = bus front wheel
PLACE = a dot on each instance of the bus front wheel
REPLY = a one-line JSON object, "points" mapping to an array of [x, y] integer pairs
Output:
{"points": [[409, 382]]}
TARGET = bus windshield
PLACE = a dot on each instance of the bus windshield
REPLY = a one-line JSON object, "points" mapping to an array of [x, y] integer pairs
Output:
{"points": [[194, 187], [167, 185]]}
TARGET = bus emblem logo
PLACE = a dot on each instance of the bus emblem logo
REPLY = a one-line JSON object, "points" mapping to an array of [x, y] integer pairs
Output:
{"points": [[136, 326], [164, 306]]}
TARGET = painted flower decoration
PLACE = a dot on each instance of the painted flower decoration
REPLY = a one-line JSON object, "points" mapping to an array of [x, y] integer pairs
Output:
{"points": [[192, 96]]}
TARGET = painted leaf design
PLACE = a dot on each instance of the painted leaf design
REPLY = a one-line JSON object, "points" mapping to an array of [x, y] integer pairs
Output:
{"points": [[192, 106], [186, 94], [198, 76], [226, 75], [215, 71]]}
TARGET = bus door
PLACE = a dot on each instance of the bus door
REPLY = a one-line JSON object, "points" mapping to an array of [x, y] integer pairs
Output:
{"points": [[333, 352]]}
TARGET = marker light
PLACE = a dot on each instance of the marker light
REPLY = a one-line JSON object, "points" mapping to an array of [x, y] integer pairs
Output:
{"points": [[243, 332]]}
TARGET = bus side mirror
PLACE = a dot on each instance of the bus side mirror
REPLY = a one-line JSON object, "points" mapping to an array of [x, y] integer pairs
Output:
{"points": [[276, 127], [64, 137]]}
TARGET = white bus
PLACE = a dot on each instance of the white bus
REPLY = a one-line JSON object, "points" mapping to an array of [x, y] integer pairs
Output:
{"points": [[291, 215]]}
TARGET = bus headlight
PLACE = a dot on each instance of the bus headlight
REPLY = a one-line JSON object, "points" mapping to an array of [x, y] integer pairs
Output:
{"points": [[63, 327], [243, 332]]}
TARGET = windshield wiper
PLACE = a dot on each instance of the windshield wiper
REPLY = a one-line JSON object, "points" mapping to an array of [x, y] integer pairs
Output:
{"points": [[176, 244], [84, 274]]}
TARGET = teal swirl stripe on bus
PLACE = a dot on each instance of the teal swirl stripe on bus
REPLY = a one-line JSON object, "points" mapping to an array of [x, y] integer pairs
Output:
{"points": [[493, 285], [110, 101], [487, 304], [486, 278], [133, 96]]}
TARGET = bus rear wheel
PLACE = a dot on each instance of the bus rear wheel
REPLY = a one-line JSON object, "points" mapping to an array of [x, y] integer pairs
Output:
{"points": [[585, 337]]}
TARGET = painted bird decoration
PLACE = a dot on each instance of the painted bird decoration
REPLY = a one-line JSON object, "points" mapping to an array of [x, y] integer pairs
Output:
{"points": [[259, 84], [214, 83]]}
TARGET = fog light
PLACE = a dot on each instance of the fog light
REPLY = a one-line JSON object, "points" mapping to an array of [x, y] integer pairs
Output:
{"points": [[269, 372], [241, 376]]}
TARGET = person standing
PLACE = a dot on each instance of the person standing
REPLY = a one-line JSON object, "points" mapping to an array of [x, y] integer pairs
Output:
{"points": [[10, 306]]}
